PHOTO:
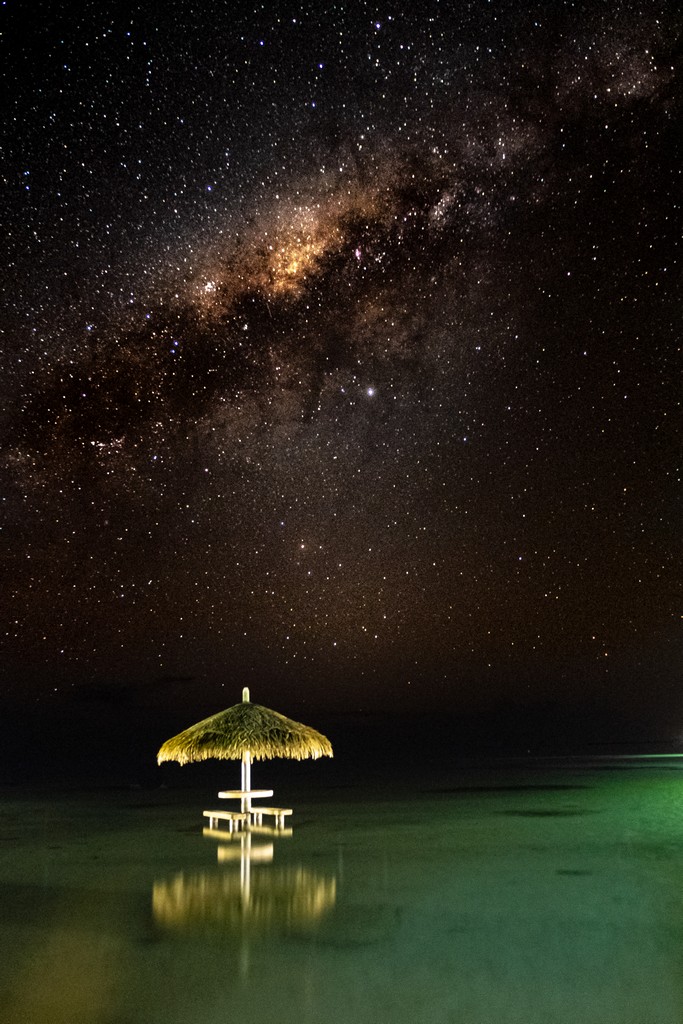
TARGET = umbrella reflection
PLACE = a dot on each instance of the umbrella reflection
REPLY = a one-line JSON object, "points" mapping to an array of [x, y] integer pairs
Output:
{"points": [[245, 896]]}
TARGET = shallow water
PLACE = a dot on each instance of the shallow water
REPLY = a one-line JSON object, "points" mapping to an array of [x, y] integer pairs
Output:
{"points": [[527, 894]]}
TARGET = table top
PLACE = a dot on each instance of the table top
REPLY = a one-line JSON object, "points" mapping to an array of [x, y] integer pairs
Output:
{"points": [[237, 794]]}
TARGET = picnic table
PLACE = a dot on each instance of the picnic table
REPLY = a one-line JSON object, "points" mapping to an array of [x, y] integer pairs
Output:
{"points": [[255, 813], [237, 794], [245, 796]]}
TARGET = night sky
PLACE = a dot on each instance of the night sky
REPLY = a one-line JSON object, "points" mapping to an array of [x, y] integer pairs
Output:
{"points": [[341, 356]]}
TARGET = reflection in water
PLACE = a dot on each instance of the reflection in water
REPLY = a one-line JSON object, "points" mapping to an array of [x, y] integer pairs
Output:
{"points": [[247, 896], [279, 899]]}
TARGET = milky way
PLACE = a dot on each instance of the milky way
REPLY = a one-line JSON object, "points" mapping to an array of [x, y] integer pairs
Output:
{"points": [[342, 353]]}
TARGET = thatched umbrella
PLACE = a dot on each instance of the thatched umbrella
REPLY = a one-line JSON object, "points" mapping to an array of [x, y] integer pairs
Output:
{"points": [[248, 732]]}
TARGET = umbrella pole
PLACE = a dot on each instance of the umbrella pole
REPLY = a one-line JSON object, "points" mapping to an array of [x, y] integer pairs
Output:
{"points": [[246, 781]]}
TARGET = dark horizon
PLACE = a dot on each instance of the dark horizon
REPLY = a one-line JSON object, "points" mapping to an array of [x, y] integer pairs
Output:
{"points": [[92, 743]]}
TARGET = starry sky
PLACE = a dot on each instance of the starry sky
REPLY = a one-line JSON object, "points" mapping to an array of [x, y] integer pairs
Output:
{"points": [[341, 354]]}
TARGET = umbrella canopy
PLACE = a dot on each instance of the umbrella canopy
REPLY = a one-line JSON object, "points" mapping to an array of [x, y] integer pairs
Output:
{"points": [[245, 731]]}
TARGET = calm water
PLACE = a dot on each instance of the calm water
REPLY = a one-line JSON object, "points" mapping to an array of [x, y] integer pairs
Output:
{"points": [[520, 894]]}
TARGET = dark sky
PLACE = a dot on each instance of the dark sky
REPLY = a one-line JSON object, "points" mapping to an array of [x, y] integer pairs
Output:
{"points": [[341, 354]]}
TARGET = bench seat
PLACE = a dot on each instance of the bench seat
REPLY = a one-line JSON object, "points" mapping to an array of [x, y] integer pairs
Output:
{"points": [[233, 818], [278, 813]]}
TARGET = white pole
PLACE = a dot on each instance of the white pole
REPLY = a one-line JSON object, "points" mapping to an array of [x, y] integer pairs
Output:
{"points": [[246, 780], [246, 765]]}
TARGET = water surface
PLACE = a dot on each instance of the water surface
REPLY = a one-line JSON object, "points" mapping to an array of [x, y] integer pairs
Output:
{"points": [[530, 894]]}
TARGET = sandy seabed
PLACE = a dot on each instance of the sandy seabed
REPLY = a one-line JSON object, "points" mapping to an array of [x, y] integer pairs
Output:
{"points": [[528, 894]]}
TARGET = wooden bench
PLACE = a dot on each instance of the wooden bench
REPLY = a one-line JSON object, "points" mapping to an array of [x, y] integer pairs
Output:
{"points": [[277, 812], [233, 818]]}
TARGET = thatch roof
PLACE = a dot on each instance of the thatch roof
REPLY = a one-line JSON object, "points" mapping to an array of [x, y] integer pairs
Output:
{"points": [[245, 727]]}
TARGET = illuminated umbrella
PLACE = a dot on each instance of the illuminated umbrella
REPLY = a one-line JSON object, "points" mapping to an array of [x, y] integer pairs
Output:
{"points": [[246, 732]]}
